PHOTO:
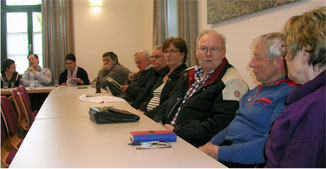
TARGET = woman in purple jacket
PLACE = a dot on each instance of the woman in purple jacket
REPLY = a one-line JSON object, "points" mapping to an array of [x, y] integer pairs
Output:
{"points": [[297, 138]]}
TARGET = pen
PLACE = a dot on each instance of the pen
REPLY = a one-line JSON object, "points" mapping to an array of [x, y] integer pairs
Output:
{"points": [[142, 143]]}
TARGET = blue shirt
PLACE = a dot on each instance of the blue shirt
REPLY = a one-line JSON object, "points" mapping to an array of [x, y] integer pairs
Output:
{"points": [[39, 75], [248, 131]]}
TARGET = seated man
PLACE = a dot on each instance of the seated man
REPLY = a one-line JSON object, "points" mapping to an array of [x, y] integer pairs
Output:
{"points": [[112, 68], [73, 71], [159, 70], [241, 144], [137, 80], [208, 97], [35, 73]]}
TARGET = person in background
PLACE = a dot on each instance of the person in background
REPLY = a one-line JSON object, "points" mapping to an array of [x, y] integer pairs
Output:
{"points": [[241, 143], [9, 77], [208, 97], [112, 68], [297, 138], [137, 80], [175, 54], [35, 73], [73, 71], [159, 70]]}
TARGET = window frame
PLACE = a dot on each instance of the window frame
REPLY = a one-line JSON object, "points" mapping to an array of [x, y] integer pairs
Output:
{"points": [[29, 9]]}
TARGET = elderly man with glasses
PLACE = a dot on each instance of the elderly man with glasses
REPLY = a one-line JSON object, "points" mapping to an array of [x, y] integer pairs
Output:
{"points": [[241, 144], [158, 70], [208, 94]]}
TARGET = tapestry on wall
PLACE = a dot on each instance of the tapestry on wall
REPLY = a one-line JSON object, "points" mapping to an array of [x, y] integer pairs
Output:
{"points": [[218, 10]]}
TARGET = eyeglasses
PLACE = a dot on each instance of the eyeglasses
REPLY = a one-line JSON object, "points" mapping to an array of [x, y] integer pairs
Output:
{"points": [[171, 51], [213, 50], [69, 63], [156, 56]]}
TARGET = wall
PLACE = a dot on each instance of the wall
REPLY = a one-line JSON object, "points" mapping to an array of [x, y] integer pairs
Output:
{"points": [[241, 31], [121, 26], [125, 27]]}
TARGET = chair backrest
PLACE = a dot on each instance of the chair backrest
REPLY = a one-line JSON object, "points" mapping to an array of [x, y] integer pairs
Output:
{"points": [[27, 107], [20, 107], [3, 132], [23, 88], [9, 116]]}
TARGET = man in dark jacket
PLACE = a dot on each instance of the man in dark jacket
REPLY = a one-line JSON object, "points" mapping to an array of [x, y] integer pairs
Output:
{"points": [[159, 70], [208, 97], [137, 80]]}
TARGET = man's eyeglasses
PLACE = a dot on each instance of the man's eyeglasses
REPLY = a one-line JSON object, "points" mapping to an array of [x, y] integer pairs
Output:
{"points": [[171, 51], [69, 63], [213, 50], [156, 56]]}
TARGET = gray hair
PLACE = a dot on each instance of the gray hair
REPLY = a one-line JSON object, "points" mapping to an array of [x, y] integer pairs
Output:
{"points": [[144, 54], [275, 44], [158, 47], [214, 32]]}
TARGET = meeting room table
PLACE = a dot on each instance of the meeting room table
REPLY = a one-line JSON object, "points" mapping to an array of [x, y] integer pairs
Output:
{"points": [[63, 135]]}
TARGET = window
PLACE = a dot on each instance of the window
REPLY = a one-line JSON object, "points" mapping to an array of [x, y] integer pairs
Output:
{"points": [[21, 31], [172, 18]]}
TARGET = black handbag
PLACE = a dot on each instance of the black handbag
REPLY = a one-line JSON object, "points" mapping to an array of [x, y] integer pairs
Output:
{"points": [[103, 115]]}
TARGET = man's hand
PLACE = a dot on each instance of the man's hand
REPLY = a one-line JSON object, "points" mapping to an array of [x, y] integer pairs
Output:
{"points": [[123, 88], [107, 67], [141, 111], [48, 75], [132, 76], [169, 127], [210, 149], [31, 69], [63, 84]]}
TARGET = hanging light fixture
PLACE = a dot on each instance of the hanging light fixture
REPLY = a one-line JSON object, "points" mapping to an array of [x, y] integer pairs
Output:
{"points": [[96, 3]]}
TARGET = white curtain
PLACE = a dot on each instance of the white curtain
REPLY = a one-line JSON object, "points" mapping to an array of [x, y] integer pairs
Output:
{"points": [[57, 33]]}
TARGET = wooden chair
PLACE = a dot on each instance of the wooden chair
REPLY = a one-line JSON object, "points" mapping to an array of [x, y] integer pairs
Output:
{"points": [[10, 120], [22, 89], [7, 151], [27, 108], [23, 117]]}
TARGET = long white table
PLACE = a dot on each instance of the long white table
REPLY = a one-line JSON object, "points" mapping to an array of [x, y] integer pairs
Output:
{"points": [[64, 136]]}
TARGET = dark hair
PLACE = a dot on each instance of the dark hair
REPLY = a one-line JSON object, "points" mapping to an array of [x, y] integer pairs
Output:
{"points": [[35, 55], [6, 64], [70, 56], [112, 55], [178, 43]]}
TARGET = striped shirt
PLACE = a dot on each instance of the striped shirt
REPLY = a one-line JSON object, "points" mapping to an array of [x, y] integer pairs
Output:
{"points": [[155, 101]]}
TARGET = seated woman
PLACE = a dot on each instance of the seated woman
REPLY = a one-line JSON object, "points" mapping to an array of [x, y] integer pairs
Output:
{"points": [[9, 77], [297, 139], [73, 71], [175, 54]]}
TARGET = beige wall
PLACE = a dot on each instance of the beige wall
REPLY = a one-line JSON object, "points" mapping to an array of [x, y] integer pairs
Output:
{"points": [[125, 27], [121, 26], [242, 30]]}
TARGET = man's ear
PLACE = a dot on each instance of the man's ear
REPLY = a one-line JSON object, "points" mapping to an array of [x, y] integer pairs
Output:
{"points": [[279, 62]]}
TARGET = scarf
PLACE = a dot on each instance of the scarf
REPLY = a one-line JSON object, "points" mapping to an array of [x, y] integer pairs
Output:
{"points": [[74, 74]]}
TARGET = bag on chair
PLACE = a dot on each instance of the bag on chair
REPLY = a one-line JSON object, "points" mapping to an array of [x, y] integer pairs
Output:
{"points": [[104, 115]]}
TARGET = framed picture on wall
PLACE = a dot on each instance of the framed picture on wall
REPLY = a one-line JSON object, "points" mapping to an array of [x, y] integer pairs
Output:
{"points": [[218, 10]]}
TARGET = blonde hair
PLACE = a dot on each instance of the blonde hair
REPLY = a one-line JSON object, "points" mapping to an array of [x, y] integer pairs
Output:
{"points": [[308, 31]]}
